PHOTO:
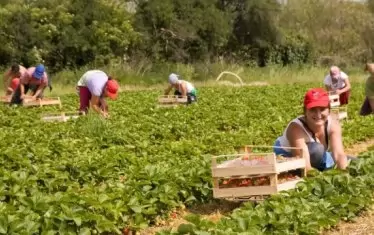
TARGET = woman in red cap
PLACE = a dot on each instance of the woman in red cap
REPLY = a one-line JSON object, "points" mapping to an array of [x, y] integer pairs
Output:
{"points": [[93, 87], [315, 132]]}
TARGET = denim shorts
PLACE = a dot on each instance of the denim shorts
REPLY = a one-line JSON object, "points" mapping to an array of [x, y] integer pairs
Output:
{"points": [[327, 159]]}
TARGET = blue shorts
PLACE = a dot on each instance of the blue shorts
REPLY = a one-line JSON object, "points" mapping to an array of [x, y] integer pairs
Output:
{"points": [[327, 160]]}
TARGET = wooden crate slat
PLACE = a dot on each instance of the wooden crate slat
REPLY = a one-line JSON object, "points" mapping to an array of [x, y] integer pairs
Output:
{"points": [[42, 102], [171, 99], [342, 115], [334, 104], [288, 185], [5, 99], [290, 165], [244, 170], [244, 191]]}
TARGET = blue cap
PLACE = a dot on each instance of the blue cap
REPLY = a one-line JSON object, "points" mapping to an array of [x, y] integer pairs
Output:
{"points": [[39, 71]]}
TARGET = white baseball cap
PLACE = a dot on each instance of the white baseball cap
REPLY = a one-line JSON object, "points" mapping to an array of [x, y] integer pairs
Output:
{"points": [[173, 78]]}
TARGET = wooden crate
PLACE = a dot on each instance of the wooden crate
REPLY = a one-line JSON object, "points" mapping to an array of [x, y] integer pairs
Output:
{"points": [[334, 100], [27, 102], [171, 101], [339, 113], [250, 165], [60, 117], [6, 99]]}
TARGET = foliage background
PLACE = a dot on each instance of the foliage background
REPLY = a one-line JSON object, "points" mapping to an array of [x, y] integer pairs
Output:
{"points": [[149, 36]]}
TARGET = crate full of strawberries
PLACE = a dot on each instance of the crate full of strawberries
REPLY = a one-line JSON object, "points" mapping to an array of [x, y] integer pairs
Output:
{"points": [[255, 173]]}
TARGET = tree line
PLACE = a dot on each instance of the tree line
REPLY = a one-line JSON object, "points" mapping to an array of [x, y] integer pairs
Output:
{"points": [[66, 34]]}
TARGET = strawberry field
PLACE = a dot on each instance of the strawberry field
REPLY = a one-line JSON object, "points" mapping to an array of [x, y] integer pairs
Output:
{"points": [[92, 175]]}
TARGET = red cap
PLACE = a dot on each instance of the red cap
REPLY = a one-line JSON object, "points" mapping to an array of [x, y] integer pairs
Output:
{"points": [[112, 89], [316, 97], [14, 83]]}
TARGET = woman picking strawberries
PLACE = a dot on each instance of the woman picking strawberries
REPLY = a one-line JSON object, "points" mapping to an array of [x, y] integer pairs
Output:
{"points": [[315, 132], [93, 87]]}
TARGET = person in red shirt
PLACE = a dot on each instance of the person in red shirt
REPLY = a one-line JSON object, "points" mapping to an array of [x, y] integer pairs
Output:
{"points": [[15, 71], [35, 79], [13, 86]]}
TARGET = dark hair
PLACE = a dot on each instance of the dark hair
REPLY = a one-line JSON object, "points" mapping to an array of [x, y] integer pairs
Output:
{"points": [[14, 68], [110, 78]]}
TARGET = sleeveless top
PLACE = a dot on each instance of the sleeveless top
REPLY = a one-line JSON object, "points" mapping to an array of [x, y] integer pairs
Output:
{"points": [[189, 86], [283, 141]]}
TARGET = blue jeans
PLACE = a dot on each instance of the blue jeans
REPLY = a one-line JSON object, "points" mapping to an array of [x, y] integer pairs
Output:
{"points": [[319, 158]]}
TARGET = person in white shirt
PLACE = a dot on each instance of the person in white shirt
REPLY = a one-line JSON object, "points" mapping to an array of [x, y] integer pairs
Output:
{"points": [[338, 82], [182, 88], [93, 87]]}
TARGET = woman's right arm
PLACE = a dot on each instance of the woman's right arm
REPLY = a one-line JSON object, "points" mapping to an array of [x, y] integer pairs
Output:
{"points": [[295, 136]]}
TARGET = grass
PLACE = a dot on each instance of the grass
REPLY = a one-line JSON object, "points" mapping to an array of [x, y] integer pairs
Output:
{"points": [[145, 75]]}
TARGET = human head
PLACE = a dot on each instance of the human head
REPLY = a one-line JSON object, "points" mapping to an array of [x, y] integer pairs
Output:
{"points": [[14, 69], [39, 71], [111, 88], [334, 72], [173, 78], [316, 105]]}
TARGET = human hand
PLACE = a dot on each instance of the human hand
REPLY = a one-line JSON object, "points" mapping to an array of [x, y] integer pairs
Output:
{"points": [[105, 115]]}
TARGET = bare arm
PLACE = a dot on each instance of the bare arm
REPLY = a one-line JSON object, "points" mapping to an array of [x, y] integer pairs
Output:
{"points": [[38, 91], [94, 102], [338, 154], [347, 86], [184, 89], [295, 136], [22, 88], [168, 89]]}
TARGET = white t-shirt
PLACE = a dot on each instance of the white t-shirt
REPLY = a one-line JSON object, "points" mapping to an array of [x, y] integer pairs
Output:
{"points": [[189, 86], [95, 81], [336, 84]]}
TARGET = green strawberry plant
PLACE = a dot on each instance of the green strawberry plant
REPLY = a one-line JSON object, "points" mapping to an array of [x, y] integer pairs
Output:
{"points": [[92, 175]]}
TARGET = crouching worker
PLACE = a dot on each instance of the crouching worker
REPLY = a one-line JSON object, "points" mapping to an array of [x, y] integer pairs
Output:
{"points": [[92, 88], [338, 82], [11, 78], [34, 79], [314, 132], [182, 88]]}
